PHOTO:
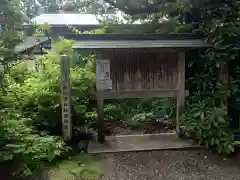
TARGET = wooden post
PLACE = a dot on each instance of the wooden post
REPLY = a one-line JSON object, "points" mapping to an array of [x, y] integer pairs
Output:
{"points": [[41, 66], [181, 90], [103, 82], [65, 98], [31, 63], [100, 119], [1, 72]]}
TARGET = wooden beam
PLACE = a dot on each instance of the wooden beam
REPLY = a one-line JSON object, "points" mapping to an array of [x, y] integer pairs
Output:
{"points": [[65, 98], [181, 90], [142, 50], [105, 52], [115, 94], [137, 94]]}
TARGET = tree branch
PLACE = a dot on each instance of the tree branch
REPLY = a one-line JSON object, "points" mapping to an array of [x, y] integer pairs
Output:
{"points": [[124, 9], [152, 8], [231, 4]]}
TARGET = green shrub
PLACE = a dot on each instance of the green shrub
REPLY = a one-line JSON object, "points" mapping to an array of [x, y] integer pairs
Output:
{"points": [[135, 112], [35, 99], [18, 71], [27, 140], [38, 96], [23, 147], [209, 125]]}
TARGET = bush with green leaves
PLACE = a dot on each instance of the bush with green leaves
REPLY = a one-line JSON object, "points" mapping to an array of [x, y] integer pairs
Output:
{"points": [[28, 133], [206, 114], [38, 96], [137, 112], [209, 125], [208, 108], [23, 148]]}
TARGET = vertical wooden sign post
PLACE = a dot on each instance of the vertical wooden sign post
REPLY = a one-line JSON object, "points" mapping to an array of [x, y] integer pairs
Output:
{"points": [[31, 63], [103, 83], [1, 71], [65, 97]]}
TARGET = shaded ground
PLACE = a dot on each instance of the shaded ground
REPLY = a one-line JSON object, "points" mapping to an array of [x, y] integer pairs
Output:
{"points": [[82, 166], [155, 165], [169, 165], [118, 128]]}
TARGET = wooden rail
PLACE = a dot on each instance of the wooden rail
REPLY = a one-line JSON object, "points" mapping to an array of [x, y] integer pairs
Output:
{"points": [[137, 94]]}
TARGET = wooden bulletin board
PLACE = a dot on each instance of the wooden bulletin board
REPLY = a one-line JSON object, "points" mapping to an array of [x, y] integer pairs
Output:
{"points": [[122, 75]]}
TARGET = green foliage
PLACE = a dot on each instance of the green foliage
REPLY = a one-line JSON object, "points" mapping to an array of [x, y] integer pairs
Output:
{"points": [[27, 134], [165, 27], [206, 117], [25, 148], [80, 166], [209, 125], [136, 112], [18, 71], [38, 96], [10, 36]]}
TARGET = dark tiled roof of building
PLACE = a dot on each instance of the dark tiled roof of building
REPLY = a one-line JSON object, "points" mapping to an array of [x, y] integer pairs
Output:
{"points": [[29, 43]]}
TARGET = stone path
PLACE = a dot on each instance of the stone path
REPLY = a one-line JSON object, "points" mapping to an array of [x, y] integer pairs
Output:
{"points": [[169, 165], [159, 165]]}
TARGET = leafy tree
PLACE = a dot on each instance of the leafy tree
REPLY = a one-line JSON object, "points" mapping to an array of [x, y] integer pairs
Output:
{"points": [[22, 147], [36, 7], [11, 18]]}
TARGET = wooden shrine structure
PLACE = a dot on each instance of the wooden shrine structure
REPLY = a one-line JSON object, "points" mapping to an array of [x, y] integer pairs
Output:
{"points": [[127, 66], [138, 66]]}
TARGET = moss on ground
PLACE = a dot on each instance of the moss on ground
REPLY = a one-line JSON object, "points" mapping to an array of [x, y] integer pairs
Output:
{"points": [[82, 166]]}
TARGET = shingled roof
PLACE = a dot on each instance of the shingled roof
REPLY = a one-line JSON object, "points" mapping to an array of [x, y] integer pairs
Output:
{"points": [[30, 43]]}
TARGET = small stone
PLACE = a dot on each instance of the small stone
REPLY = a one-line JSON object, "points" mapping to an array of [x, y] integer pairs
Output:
{"points": [[81, 145]]}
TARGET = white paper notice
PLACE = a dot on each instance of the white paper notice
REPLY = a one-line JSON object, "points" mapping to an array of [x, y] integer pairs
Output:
{"points": [[104, 81]]}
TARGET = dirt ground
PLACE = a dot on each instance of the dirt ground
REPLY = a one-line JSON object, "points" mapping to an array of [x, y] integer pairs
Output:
{"points": [[170, 165], [146, 128], [154, 165]]}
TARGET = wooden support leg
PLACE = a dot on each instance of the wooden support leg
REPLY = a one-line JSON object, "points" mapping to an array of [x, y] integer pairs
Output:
{"points": [[181, 90], [100, 119], [180, 110]]}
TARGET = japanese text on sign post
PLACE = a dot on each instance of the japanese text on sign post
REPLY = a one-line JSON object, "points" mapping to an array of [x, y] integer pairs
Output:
{"points": [[65, 98]]}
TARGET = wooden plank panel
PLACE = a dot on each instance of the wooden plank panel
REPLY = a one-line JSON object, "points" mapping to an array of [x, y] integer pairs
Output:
{"points": [[136, 71], [145, 71]]}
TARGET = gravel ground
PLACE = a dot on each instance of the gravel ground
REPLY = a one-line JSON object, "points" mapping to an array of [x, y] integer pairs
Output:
{"points": [[169, 165]]}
